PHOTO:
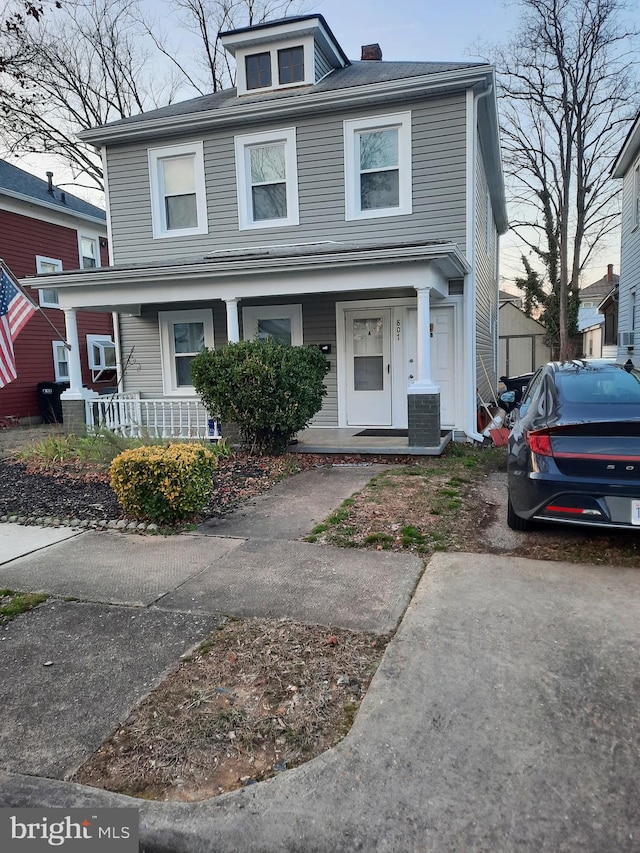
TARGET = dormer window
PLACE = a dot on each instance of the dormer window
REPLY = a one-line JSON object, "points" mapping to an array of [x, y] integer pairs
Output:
{"points": [[296, 51], [258, 71], [291, 65]]}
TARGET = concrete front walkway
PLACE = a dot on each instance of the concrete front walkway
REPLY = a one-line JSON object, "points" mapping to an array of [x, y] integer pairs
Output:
{"points": [[504, 717]]}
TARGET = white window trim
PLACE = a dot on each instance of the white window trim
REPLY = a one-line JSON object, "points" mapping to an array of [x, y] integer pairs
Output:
{"points": [[156, 155], [166, 320], [352, 127], [103, 342], [95, 239], [56, 345], [40, 260], [243, 178], [306, 42], [253, 313]]}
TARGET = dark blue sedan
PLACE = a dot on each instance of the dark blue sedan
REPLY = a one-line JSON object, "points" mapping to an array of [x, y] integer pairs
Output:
{"points": [[574, 449]]}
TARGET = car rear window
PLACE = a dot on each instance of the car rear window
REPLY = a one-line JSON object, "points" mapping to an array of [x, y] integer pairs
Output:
{"points": [[599, 386]]}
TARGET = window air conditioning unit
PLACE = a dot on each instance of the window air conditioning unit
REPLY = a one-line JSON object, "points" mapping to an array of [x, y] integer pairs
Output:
{"points": [[626, 339]]}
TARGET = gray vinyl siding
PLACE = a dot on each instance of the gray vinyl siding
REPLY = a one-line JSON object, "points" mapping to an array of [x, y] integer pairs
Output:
{"points": [[438, 136], [140, 345], [486, 290], [629, 271], [322, 64]]}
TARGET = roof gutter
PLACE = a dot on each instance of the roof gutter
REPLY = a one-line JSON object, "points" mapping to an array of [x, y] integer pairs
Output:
{"points": [[272, 108]]}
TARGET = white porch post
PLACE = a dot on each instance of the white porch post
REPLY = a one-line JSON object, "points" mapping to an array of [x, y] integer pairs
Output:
{"points": [[424, 383], [233, 325], [75, 369]]}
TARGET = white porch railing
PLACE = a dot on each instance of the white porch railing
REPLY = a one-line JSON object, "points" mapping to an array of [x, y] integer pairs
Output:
{"points": [[132, 417]]}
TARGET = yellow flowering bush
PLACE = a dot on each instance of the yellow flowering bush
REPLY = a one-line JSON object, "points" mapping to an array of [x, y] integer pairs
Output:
{"points": [[164, 483]]}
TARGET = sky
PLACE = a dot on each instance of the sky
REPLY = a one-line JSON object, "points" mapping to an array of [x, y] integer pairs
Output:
{"points": [[423, 30], [427, 30]]}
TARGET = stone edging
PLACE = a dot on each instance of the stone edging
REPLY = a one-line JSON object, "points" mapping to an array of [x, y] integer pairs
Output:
{"points": [[51, 521]]}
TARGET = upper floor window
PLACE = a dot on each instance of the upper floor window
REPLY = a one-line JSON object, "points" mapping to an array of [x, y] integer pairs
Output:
{"points": [[183, 334], [291, 65], [258, 67], [47, 296], [378, 166], [267, 180], [276, 66], [178, 198], [89, 252]]}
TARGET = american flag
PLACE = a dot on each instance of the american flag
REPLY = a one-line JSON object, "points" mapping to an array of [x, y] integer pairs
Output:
{"points": [[15, 310]]}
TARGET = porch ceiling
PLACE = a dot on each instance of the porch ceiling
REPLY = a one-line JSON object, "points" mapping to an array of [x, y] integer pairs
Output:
{"points": [[267, 271]]}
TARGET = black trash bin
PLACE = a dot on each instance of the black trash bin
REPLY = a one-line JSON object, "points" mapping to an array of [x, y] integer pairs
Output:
{"points": [[49, 401]]}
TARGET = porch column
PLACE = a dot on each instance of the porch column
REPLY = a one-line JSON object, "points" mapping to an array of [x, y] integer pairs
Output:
{"points": [[233, 325], [75, 368], [73, 399], [423, 395]]}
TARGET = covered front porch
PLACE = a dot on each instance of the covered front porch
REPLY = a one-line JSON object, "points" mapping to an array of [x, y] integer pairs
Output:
{"points": [[391, 321]]}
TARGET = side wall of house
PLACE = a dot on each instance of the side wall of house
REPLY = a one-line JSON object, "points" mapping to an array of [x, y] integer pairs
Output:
{"points": [[629, 271], [486, 248], [438, 133], [21, 239]]}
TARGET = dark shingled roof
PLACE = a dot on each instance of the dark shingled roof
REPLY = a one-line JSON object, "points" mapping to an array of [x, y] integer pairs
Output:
{"points": [[15, 180], [356, 74]]}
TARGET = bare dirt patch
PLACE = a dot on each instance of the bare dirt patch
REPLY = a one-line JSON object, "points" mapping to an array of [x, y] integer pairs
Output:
{"points": [[259, 697]]}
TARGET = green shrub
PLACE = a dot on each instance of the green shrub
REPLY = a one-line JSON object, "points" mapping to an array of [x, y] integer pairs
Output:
{"points": [[268, 389], [164, 484]]}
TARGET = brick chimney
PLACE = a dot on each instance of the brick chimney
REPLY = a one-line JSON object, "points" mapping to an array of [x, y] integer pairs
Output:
{"points": [[371, 53], [610, 273]]}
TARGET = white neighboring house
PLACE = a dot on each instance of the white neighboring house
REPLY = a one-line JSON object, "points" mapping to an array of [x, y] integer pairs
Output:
{"points": [[598, 316], [627, 168], [350, 205]]}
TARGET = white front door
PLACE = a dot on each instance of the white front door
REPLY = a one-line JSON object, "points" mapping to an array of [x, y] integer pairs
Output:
{"points": [[443, 363], [369, 377]]}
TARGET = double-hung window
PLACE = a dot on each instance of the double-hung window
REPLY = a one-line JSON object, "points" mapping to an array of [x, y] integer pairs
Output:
{"points": [[267, 180], [282, 323], [48, 296], [89, 252], [183, 334], [178, 199], [378, 166], [60, 361]]}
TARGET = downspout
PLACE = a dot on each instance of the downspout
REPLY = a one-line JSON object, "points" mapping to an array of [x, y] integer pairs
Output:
{"points": [[115, 317], [470, 291]]}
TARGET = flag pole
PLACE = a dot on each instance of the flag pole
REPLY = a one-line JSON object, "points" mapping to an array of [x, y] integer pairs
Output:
{"points": [[15, 281]]}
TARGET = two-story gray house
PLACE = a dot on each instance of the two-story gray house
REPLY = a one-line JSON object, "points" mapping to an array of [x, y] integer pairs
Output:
{"points": [[352, 205], [627, 167]]}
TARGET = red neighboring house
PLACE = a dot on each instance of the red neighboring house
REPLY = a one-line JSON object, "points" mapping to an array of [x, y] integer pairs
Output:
{"points": [[45, 229]]}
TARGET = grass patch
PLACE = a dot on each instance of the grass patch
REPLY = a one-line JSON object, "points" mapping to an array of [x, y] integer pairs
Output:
{"points": [[12, 604], [420, 506]]}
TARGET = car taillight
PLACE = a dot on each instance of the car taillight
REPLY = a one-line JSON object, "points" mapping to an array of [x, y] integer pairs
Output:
{"points": [[540, 442]]}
